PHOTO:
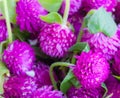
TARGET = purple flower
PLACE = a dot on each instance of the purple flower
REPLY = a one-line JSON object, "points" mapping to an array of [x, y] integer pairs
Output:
{"points": [[74, 6], [42, 74], [19, 87], [85, 93], [109, 5], [55, 40], [19, 57], [91, 69], [107, 45], [28, 15], [47, 92], [3, 31]]}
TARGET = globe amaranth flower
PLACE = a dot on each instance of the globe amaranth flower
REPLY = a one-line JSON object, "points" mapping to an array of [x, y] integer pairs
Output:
{"points": [[47, 92], [109, 5], [85, 93], [74, 6], [28, 15], [3, 31], [19, 57], [55, 40], [99, 41], [42, 74], [113, 86], [91, 69], [19, 87]]}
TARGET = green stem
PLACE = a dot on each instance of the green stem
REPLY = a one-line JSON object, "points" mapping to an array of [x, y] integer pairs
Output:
{"points": [[66, 12], [51, 71], [78, 40], [7, 21]]}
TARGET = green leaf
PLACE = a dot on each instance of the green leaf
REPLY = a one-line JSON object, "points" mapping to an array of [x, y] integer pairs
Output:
{"points": [[102, 21], [79, 47], [52, 17], [105, 88], [11, 10], [20, 35], [51, 5], [3, 71], [117, 77], [68, 81], [3, 44]]}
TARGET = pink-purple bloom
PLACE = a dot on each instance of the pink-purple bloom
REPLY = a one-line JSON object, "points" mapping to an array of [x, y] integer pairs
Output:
{"points": [[91, 69], [99, 41], [3, 31], [19, 87], [47, 92], [28, 15], [56, 39], [19, 57], [74, 6], [85, 93], [117, 13], [109, 5], [42, 74]]}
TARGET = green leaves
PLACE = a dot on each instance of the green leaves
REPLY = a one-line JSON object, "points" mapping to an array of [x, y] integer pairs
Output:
{"points": [[3, 71], [79, 47], [101, 21], [51, 5], [11, 9], [68, 81], [52, 17]]}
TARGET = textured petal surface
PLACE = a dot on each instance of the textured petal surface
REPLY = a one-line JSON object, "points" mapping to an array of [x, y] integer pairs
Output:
{"points": [[47, 92], [91, 69], [109, 5], [85, 93], [107, 45], [19, 87], [55, 40], [19, 57], [3, 30], [28, 15]]}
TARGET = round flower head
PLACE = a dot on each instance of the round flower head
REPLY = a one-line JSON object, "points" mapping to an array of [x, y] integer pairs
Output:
{"points": [[85, 93], [74, 6], [113, 86], [47, 92], [19, 57], [116, 64], [91, 69], [3, 31], [19, 87], [42, 74], [28, 15], [109, 5], [107, 45], [55, 40], [117, 13]]}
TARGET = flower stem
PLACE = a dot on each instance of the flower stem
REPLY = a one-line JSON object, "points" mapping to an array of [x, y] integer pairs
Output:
{"points": [[66, 12], [78, 40], [51, 71], [7, 21]]}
